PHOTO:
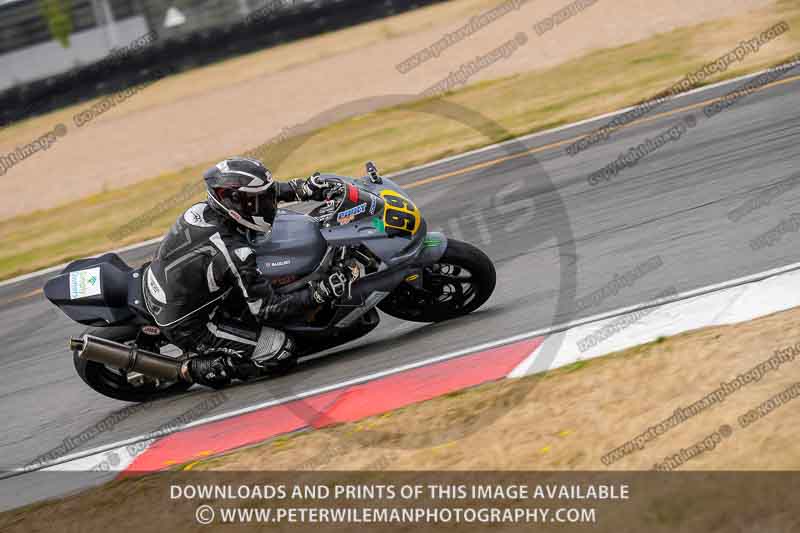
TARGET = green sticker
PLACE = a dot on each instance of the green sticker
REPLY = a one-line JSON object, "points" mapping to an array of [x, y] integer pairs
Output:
{"points": [[378, 224]]}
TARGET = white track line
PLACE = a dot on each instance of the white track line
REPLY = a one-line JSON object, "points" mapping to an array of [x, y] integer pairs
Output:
{"points": [[272, 403], [451, 158], [425, 362]]}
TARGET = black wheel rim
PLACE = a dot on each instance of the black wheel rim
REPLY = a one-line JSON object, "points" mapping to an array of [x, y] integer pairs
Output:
{"points": [[447, 290], [449, 287]]}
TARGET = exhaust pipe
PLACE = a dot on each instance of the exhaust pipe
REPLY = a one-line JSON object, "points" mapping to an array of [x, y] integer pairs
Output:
{"points": [[129, 358]]}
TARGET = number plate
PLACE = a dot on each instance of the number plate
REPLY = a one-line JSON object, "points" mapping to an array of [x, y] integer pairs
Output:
{"points": [[400, 216]]}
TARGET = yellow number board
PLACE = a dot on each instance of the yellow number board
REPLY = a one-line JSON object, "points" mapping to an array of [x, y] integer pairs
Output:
{"points": [[400, 215]]}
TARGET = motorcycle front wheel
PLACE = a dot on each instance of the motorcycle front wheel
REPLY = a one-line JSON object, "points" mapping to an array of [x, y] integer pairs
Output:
{"points": [[458, 284]]}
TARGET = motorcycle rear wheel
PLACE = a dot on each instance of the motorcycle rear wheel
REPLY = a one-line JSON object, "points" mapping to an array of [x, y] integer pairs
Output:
{"points": [[458, 284], [113, 382]]}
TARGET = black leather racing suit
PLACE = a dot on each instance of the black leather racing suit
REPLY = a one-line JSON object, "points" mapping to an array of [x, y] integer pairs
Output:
{"points": [[205, 259]]}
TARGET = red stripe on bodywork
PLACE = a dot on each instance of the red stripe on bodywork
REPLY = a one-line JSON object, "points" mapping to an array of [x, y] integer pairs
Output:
{"points": [[342, 405]]}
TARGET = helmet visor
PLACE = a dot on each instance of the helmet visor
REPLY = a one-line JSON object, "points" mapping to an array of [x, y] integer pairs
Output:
{"points": [[256, 209]]}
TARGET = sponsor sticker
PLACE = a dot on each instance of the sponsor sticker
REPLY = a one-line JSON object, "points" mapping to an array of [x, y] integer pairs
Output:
{"points": [[151, 330], [347, 216], [84, 283]]}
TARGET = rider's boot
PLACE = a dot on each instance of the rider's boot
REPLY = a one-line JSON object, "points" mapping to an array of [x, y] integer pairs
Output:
{"points": [[274, 352]]}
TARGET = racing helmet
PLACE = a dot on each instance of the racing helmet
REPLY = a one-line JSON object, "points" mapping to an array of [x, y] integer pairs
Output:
{"points": [[243, 190]]}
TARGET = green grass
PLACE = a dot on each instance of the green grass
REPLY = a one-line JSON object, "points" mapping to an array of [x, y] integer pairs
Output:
{"points": [[577, 365], [410, 134]]}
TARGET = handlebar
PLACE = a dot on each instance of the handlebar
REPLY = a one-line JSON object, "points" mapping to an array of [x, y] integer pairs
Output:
{"points": [[335, 195], [337, 186]]}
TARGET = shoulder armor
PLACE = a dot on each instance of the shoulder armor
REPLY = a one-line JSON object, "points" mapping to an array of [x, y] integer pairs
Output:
{"points": [[196, 216]]}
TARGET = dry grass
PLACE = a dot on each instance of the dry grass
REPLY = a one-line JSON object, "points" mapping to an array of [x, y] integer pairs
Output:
{"points": [[569, 418], [412, 133]]}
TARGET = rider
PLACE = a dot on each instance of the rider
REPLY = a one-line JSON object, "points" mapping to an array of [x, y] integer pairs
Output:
{"points": [[207, 258]]}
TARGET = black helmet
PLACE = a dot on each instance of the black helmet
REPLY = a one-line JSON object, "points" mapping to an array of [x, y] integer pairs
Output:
{"points": [[244, 190]]}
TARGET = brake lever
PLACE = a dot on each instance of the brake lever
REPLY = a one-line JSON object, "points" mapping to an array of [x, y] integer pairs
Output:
{"points": [[334, 190]]}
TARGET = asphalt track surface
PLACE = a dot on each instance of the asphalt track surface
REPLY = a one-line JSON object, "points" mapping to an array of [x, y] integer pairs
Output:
{"points": [[674, 203]]}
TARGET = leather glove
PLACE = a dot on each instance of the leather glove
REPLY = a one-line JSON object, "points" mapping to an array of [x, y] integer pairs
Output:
{"points": [[326, 290], [209, 371], [311, 188], [335, 286]]}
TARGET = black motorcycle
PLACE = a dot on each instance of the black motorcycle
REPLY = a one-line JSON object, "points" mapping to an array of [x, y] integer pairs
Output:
{"points": [[368, 225]]}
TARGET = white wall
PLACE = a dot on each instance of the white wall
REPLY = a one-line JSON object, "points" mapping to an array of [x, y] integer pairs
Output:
{"points": [[50, 58]]}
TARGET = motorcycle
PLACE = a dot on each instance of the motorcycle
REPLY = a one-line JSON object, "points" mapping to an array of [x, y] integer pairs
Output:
{"points": [[368, 225]]}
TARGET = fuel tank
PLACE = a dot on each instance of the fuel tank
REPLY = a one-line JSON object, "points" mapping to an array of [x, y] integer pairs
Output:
{"points": [[295, 247]]}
